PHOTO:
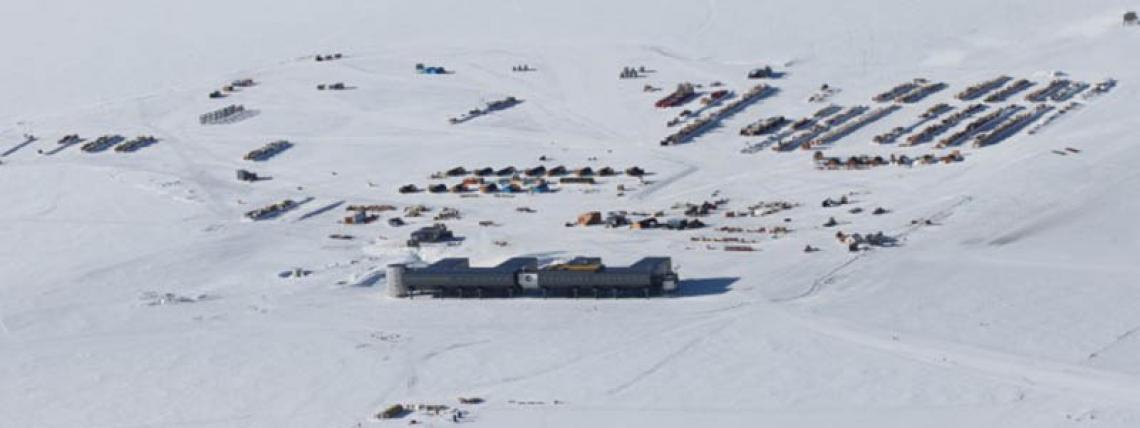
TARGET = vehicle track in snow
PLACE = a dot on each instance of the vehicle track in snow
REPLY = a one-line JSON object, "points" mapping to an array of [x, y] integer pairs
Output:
{"points": [[452, 347], [709, 19], [1032, 373], [649, 190], [193, 171], [1026, 371], [412, 380], [1119, 339], [682, 326], [661, 363], [832, 275], [17, 147]]}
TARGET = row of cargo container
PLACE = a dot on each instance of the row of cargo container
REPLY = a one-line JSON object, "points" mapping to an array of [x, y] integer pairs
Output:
{"points": [[833, 120], [223, 115], [1044, 94], [799, 125], [1009, 91], [898, 91], [979, 125], [1012, 126], [684, 92], [539, 171], [492, 106], [1069, 91], [850, 127], [102, 143], [910, 92], [502, 186], [764, 126], [930, 114], [868, 161], [1061, 112], [136, 144], [268, 151], [922, 92], [232, 87], [271, 211], [928, 133], [977, 91], [1100, 88], [694, 129]]}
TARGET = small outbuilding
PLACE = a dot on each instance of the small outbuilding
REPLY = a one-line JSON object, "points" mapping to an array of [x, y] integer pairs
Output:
{"points": [[683, 224], [244, 175], [537, 171], [577, 180], [425, 69], [648, 223], [396, 410], [615, 219], [761, 73], [590, 218], [430, 234]]}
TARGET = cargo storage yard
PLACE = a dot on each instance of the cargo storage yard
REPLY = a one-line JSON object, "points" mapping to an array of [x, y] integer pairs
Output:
{"points": [[569, 214]]}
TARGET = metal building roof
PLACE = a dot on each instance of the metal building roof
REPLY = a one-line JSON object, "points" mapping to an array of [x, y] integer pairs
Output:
{"points": [[461, 264]]}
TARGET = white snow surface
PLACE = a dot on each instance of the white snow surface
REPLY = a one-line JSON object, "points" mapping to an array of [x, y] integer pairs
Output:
{"points": [[1016, 308]]}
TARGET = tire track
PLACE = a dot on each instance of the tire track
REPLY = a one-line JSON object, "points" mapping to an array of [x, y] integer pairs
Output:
{"points": [[1092, 355], [413, 378], [657, 366], [1068, 379], [820, 283], [580, 359], [657, 186]]}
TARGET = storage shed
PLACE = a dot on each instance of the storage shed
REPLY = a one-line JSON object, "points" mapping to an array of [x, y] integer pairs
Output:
{"points": [[590, 218]]}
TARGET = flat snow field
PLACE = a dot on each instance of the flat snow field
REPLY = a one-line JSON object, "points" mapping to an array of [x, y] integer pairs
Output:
{"points": [[134, 293]]}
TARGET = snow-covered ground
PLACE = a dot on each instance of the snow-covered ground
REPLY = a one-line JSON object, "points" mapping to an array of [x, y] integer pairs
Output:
{"points": [[1014, 306]]}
